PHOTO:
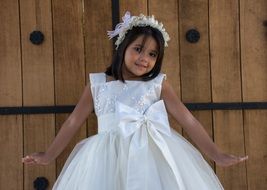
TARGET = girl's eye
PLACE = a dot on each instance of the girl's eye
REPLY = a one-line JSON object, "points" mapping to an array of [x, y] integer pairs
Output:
{"points": [[153, 54], [138, 49]]}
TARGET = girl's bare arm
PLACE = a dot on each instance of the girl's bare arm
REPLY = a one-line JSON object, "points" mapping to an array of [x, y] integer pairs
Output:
{"points": [[194, 129], [66, 132]]}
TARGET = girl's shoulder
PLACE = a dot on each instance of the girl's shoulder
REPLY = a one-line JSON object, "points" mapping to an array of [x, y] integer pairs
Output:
{"points": [[97, 78], [160, 78]]}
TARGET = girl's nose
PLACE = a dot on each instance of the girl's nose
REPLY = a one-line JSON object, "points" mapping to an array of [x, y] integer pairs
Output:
{"points": [[143, 57]]}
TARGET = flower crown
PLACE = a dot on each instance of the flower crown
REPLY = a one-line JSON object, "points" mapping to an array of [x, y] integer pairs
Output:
{"points": [[130, 21]]}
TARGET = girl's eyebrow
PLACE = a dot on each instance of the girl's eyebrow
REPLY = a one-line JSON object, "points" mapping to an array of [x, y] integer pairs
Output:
{"points": [[139, 45], [155, 51]]}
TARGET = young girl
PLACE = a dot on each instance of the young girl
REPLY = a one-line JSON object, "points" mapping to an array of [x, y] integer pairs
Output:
{"points": [[135, 148]]}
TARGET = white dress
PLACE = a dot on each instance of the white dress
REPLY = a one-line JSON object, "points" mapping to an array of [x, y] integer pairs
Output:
{"points": [[135, 148]]}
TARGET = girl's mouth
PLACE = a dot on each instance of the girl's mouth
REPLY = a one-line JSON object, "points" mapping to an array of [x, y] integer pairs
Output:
{"points": [[141, 65]]}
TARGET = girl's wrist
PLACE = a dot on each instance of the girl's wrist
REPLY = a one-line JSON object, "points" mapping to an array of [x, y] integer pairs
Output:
{"points": [[48, 156], [216, 155]]}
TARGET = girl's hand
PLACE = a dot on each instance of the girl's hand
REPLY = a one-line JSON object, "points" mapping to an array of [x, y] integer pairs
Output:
{"points": [[226, 160], [36, 158]]}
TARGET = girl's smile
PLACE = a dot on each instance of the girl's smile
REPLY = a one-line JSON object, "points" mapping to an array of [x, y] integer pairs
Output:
{"points": [[140, 57]]}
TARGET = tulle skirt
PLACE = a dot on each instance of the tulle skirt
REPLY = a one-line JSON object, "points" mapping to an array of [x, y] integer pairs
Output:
{"points": [[102, 162]]}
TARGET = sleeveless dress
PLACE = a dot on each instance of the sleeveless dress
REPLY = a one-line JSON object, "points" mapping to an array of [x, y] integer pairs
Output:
{"points": [[135, 148]]}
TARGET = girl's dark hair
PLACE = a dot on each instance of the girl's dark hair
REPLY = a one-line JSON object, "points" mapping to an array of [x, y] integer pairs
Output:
{"points": [[115, 69]]}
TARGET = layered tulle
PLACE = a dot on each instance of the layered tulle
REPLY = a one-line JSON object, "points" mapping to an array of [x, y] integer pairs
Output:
{"points": [[100, 163], [138, 152]]}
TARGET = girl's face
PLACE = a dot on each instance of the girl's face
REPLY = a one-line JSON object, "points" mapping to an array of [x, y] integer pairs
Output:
{"points": [[140, 57]]}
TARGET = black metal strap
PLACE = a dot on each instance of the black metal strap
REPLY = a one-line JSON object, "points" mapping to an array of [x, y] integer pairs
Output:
{"points": [[190, 106], [226, 106], [115, 17], [35, 110], [115, 12]]}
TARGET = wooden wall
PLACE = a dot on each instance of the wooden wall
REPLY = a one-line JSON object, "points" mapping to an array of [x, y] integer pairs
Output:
{"points": [[228, 64]]}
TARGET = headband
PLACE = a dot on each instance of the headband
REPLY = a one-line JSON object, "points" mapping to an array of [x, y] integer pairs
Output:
{"points": [[129, 22]]}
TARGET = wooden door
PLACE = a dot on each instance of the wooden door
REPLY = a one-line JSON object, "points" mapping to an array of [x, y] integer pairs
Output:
{"points": [[227, 64]]}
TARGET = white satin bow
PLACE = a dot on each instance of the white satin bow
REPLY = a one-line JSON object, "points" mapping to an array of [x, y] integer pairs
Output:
{"points": [[153, 123]]}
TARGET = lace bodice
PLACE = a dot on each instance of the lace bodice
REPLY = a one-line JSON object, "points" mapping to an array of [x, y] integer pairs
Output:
{"points": [[136, 94]]}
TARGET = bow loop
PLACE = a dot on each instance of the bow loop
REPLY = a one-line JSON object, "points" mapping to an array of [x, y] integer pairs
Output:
{"points": [[130, 120]]}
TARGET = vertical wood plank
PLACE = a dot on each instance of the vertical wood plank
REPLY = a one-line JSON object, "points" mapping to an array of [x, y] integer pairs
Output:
{"points": [[229, 136], [254, 52], [167, 13], [194, 59], [97, 45], [135, 7], [254, 68], [11, 169], [226, 87], [195, 66], [38, 85], [98, 49], [39, 131], [11, 140], [69, 62], [10, 54], [256, 141]]}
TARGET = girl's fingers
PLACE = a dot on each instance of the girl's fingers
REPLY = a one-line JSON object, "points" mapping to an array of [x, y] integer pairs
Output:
{"points": [[240, 159], [230, 160], [32, 159], [29, 160], [25, 159], [243, 158]]}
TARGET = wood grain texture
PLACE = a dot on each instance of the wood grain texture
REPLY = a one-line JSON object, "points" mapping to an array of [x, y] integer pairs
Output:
{"points": [[10, 55], [226, 87], [229, 136], [98, 47], [37, 60], [39, 131], [167, 13], [254, 51], [38, 84], [69, 62], [11, 145], [225, 51], [254, 78], [256, 141], [135, 7], [11, 138], [194, 59], [195, 65]]}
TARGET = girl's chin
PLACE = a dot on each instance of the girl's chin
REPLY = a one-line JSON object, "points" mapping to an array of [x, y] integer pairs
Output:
{"points": [[140, 73]]}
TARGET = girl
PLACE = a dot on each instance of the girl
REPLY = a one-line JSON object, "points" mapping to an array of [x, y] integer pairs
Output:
{"points": [[135, 148]]}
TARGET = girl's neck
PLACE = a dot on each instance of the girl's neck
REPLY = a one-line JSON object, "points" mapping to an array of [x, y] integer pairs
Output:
{"points": [[131, 77], [111, 78]]}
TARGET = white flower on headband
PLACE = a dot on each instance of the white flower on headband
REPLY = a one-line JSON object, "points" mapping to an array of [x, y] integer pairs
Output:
{"points": [[130, 21]]}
